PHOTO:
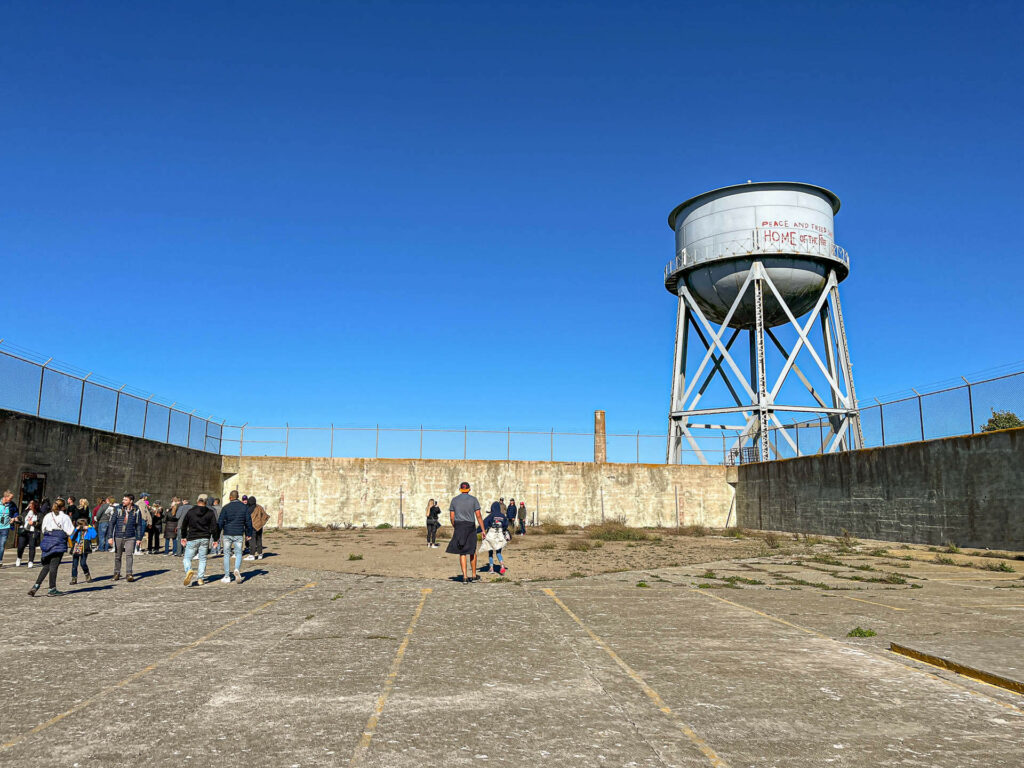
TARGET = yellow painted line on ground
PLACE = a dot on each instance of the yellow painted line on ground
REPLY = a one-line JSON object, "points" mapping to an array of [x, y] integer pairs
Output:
{"points": [[389, 685], [145, 670], [652, 694], [872, 602], [833, 640], [980, 675], [762, 613]]}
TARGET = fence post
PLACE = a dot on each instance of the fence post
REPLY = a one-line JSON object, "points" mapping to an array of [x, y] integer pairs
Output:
{"points": [[39, 399], [724, 459], [970, 402], [920, 410], [220, 439], [188, 435], [169, 412], [287, 437], [332, 439], [81, 399], [145, 418], [241, 440], [796, 428], [117, 410]]}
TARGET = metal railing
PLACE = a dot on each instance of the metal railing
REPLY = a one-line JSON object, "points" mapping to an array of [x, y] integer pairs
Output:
{"points": [[758, 242], [53, 390]]}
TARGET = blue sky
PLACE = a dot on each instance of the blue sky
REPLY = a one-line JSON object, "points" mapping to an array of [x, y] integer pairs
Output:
{"points": [[455, 213]]}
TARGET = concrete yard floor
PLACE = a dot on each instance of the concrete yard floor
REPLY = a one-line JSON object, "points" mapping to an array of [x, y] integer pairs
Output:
{"points": [[296, 667]]}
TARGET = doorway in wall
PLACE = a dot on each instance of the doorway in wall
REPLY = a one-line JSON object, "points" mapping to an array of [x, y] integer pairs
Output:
{"points": [[33, 486]]}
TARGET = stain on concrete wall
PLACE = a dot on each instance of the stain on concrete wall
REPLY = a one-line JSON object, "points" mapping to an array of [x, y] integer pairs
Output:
{"points": [[92, 463], [369, 491], [969, 490]]}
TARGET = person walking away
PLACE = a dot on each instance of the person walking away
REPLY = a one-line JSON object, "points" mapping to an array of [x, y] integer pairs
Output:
{"points": [[125, 532], [8, 513], [522, 518], [103, 515], [197, 528], [236, 525], [153, 531], [465, 516], [171, 527], [433, 523], [56, 528], [82, 541], [259, 517], [496, 536], [28, 536]]}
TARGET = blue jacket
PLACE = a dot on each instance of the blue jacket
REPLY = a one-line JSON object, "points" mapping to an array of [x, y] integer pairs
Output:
{"points": [[121, 528], [235, 520], [496, 518]]}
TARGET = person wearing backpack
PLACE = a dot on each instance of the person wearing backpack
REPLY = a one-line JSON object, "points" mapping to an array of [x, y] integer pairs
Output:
{"points": [[56, 529], [259, 518], [82, 541]]}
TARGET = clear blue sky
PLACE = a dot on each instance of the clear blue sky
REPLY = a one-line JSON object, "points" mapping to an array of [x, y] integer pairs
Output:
{"points": [[455, 213]]}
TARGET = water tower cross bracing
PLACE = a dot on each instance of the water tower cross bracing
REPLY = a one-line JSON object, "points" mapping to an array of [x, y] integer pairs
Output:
{"points": [[759, 260]]}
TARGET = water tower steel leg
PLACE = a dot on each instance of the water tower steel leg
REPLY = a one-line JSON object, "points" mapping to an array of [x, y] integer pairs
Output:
{"points": [[856, 433], [678, 380], [830, 360], [762, 379]]}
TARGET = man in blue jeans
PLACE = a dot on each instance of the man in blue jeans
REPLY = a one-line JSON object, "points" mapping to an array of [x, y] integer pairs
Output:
{"points": [[236, 524], [8, 509], [197, 528]]}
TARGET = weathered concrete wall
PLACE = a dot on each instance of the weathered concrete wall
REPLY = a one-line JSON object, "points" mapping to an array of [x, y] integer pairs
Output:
{"points": [[969, 490], [367, 491], [91, 463]]}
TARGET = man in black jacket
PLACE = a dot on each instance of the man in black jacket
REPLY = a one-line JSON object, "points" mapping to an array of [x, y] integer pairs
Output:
{"points": [[197, 528], [236, 524]]}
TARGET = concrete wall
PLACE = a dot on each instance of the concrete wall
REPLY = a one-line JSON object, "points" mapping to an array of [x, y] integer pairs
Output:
{"points": [[366, 491], [92, 463], [969, 490]]}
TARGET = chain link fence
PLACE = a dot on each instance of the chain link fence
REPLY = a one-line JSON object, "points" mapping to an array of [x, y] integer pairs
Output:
{"points": [[960, 410], [54, 390]]}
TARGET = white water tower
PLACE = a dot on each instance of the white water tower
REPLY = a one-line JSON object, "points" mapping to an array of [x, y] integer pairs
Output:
{"points": [[750, 258]]}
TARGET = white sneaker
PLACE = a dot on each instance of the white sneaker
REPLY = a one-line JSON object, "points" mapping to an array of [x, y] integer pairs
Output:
{"points": [[259, 557], [226, 579], [17, 562], [249, 557], [195, 557], [30, 563], [238, 577]]}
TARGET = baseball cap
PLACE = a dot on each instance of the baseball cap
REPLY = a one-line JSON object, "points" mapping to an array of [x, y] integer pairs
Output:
{"points": [[464, 486]]}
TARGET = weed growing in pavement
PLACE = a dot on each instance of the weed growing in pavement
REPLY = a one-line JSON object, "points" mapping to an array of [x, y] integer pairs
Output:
{"points": [[381, 526], [499, 579], [741, 580], [952, 548], [942, 560], [879, 552], [736, 533], [617, 532], [577, 575], [550, 528], [578, 545], [812, 540], [1001, 566], [772, 541], [355, 557], [827, 560], [692, 530], [864, 567], [708, 575], [803, 583], [847, 539], [858, 632], [547, 545], [643, 584], [337, 596]]}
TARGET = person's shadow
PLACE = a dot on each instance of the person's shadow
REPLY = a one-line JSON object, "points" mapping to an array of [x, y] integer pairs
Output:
{"points": [[76, 591], [148, 574]]}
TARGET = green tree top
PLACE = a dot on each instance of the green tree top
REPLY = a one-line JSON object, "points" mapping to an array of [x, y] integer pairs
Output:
{"points": [[1002, 420]]}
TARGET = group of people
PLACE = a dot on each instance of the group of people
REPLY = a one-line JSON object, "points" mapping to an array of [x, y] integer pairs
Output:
{"points": [[194, 531], [495, 530]]}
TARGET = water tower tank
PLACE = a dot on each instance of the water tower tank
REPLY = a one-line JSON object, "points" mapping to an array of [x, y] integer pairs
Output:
{"points": [[787, 226]]}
